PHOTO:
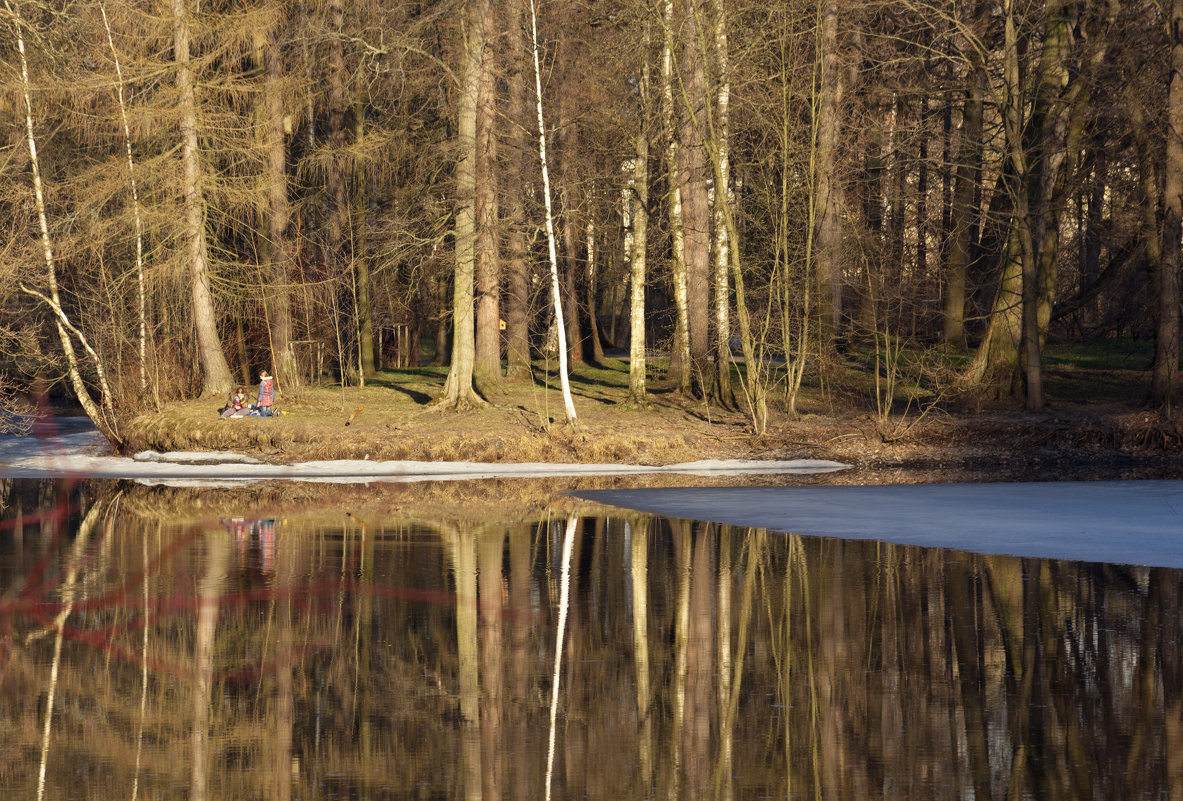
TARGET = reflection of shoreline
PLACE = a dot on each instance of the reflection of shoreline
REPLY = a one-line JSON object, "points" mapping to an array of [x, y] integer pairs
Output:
{"points": [[260, 530]]}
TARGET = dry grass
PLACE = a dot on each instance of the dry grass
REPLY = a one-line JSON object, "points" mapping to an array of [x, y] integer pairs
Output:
{"points": [[1092, 417]]}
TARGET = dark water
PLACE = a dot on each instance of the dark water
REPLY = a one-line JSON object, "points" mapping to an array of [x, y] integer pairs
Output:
{"points": [[161, 644]]}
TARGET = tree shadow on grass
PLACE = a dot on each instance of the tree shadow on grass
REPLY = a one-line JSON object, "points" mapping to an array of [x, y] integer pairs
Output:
{"points": [[387, 382]]}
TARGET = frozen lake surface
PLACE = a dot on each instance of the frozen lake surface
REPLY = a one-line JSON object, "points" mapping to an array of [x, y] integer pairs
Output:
{"points": [[1121, 522]]}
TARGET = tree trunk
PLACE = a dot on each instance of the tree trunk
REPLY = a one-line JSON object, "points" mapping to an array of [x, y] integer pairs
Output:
{"points": [[1164, 384], [458, 390], [517, 267], [215, 371], [829, 187], [283, 358], [593, 327], [487, 364], [679, 370], [723, 196], [361, 256], [696, 214], [1016, 152], [570, 296], [640, 235], [568, 403]]}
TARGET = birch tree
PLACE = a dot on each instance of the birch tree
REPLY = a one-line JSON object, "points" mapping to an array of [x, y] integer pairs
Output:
{"points": [[568, 404]]}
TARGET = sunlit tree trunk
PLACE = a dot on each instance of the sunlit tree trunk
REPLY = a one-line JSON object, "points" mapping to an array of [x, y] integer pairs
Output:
{"points": [[458, 389], [723, 195], [283, 358], [104, 418], [680, 367], [556, 300], [216, 378], [361, 244], [141, 293], [486, 371], [693, 171], [593, 326], [829, 188], [517, 268], [570, 228], [639, 203]]}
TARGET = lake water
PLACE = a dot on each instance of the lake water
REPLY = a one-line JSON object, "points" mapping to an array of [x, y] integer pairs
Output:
{"points": [[160, 643]]}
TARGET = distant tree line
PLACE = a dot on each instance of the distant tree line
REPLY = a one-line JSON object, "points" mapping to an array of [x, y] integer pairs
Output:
{"points": [[194, 191]]}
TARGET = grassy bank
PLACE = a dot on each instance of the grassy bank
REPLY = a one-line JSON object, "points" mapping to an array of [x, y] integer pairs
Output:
{"points": [[1093, 412]]}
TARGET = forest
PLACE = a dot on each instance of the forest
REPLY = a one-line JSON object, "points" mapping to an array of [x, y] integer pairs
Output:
{"points": [[195, 191]]}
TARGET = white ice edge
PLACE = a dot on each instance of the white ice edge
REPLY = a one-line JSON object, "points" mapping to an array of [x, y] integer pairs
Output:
{"points": [[194, 469]]}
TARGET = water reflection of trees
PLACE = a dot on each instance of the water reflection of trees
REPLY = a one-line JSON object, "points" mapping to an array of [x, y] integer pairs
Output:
{"points": [[360, 656]]}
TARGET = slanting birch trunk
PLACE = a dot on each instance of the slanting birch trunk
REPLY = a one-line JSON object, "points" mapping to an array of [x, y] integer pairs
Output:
{"points": [[138, 217], [106, 423], [458, 390], [680, 357], [216, 378], [568, 405]]}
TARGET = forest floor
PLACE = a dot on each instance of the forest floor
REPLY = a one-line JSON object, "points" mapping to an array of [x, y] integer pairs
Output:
{"points": [[1093, 426]]}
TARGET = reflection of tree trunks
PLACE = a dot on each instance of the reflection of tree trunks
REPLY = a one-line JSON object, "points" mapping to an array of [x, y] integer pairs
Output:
{"points": [[965, 645], [1172, 680], [696, 736], [73, 567], [681, 632], [754, 548], [724, 668], [639, 572], [209, 596], [1060, 686], [1142, 710], [491, 548], [281, 741], [1025, 717], [464, 573], [564, 591]]}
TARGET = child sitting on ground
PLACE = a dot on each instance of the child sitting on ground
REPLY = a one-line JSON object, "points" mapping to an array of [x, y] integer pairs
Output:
{"points": [[235, 404]]}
